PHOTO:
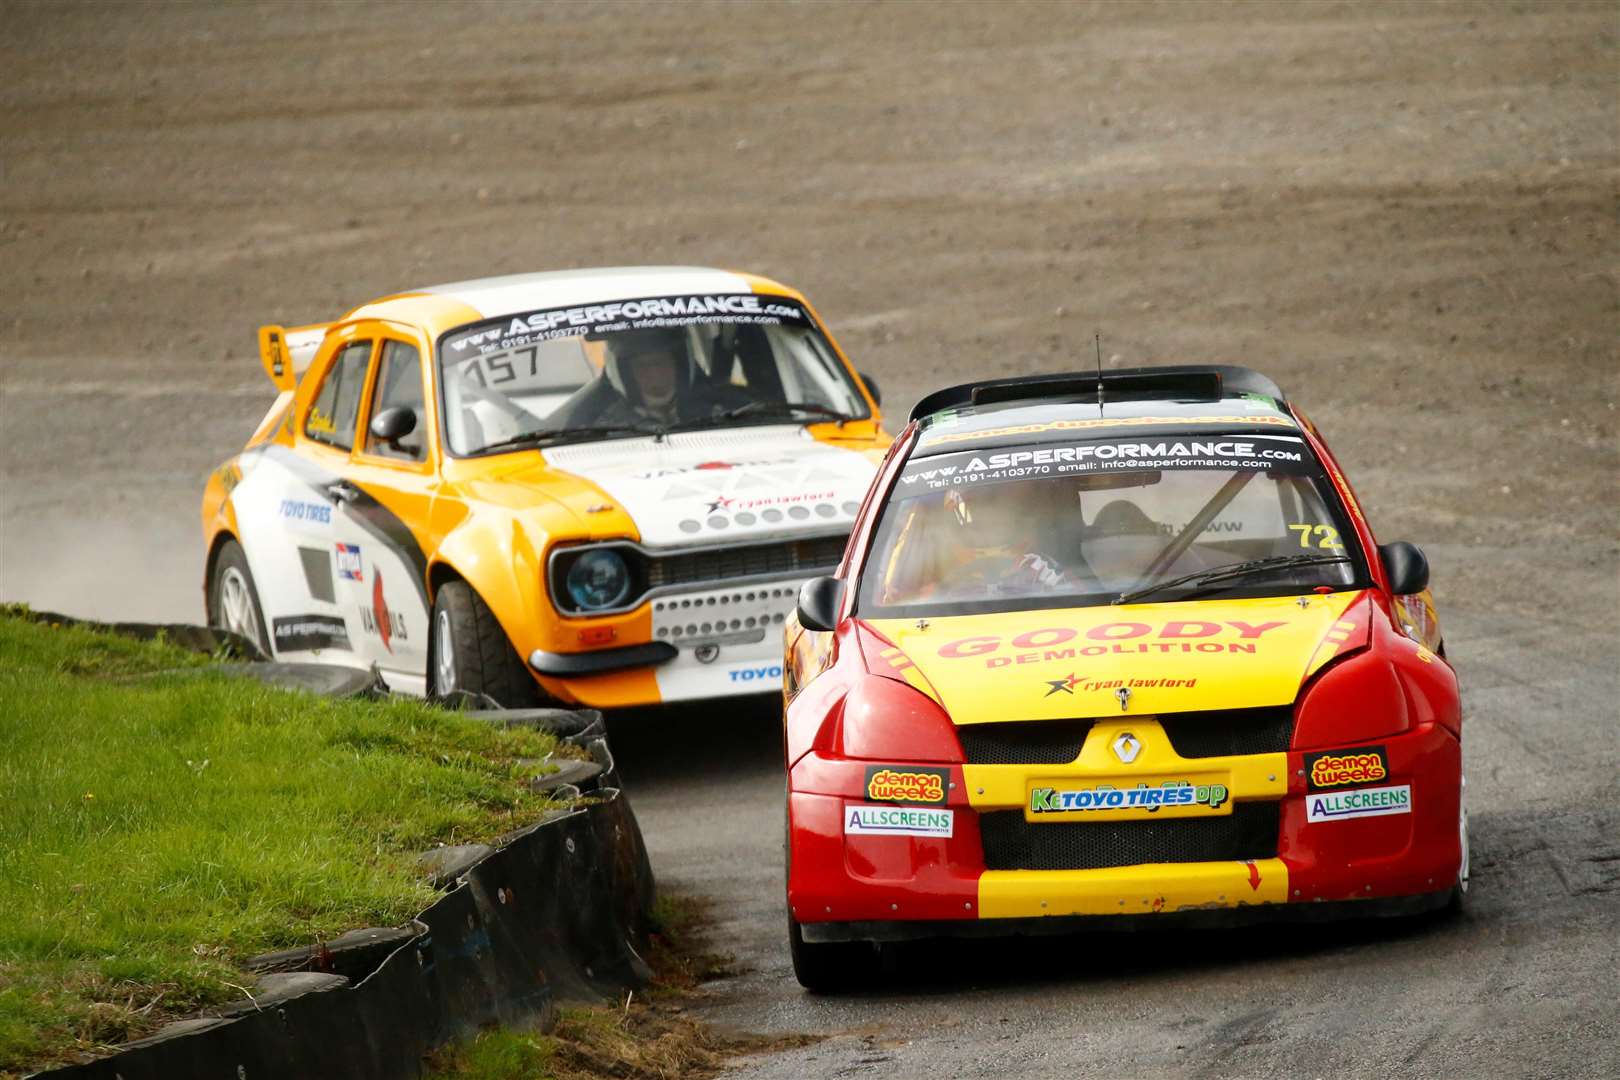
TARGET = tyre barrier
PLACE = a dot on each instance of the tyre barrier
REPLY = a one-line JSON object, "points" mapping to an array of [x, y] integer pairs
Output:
{"points": [[203, 639], [556, 911]]}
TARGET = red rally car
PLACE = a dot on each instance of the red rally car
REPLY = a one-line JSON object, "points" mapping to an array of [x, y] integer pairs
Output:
{"points": [[1113, 646]]}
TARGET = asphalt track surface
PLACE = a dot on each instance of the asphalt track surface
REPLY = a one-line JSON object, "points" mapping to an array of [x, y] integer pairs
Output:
{"points": [[1406, 213]]}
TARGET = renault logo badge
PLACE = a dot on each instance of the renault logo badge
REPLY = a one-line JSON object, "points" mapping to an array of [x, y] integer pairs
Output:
{"points": [[1126, 747]]}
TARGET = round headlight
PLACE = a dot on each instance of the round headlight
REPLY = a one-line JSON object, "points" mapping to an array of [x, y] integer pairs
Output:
{"points": [[598, 579]]}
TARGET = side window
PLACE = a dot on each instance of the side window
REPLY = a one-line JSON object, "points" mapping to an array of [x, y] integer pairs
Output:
{"points": [[399, 384], [337, 406]]}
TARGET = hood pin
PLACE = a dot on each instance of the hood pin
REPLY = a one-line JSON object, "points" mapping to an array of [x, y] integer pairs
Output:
{"points": [[1124, 696], [922, 624], [1303, 601]]}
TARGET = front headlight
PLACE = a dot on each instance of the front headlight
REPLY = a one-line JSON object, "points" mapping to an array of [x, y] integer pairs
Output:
{"points": [[598, 579]]}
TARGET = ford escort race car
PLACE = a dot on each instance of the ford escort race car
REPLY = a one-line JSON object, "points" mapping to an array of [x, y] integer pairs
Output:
{"points": [[1113, 646], [597, 487]]}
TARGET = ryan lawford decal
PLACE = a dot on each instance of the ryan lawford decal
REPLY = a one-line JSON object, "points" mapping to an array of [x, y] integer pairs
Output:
{"points": [[1359, 802]]}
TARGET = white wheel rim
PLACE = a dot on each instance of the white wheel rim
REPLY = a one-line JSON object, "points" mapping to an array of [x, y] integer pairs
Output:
{"points": [[237, 608], [1462, 833], [444, 655]]}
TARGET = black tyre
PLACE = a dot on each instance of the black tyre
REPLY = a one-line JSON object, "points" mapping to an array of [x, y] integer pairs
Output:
{"points": [[233, 599], [829, 967], [469, 651]]}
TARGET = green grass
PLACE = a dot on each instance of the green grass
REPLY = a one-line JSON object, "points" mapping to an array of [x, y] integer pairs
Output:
{"points": [[161, 821], [496, 1054]]}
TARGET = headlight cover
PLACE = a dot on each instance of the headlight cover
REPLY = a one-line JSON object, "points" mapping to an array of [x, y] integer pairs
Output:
{"points": [[598, 579]]}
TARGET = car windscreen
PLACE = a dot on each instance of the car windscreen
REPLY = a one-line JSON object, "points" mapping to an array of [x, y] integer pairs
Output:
{"points": [[1070, 524], [645, 365]]}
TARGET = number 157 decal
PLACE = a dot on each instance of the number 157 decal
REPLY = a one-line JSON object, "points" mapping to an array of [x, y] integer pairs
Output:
{"points": [[1327, 534]]}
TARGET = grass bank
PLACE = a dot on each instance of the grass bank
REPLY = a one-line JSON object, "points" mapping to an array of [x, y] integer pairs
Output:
{"points": [[160, 822]]}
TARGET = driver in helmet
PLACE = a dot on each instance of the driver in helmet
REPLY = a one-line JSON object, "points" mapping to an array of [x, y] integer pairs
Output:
{"points": [[999, 547], [655, 379]]}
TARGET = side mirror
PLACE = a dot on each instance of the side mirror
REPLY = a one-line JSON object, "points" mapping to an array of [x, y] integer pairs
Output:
{"points": [[819, 601], [393, 424], [1405, 566], [872, 387]]}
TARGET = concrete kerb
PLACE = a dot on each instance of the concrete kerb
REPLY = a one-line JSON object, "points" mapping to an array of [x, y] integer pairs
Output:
{"points": [[557, 911]]}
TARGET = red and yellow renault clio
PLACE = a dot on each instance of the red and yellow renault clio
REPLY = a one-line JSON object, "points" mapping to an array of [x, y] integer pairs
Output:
{"points": [[1109, 646], [600, 487]]}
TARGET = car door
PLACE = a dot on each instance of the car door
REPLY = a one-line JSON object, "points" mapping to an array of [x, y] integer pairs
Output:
{"points": [[287, 519], [329, 430], [383, 510]]}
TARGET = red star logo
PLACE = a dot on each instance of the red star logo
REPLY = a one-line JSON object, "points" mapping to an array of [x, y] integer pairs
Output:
{"points": [[1065, 684]]}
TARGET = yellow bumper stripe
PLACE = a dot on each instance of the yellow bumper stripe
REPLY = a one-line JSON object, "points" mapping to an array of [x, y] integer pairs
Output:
{"points": [[1131, 890]]}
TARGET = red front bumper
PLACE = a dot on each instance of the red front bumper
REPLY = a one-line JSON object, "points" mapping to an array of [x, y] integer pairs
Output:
{"points": [[839, 878]]}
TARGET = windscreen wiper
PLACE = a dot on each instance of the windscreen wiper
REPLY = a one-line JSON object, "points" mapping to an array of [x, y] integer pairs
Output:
{"points": [[1231, 572], [552, 435], [791, 409]]}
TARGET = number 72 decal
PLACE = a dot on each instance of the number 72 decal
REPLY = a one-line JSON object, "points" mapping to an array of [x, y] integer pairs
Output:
{"points": [[1329, 536]]}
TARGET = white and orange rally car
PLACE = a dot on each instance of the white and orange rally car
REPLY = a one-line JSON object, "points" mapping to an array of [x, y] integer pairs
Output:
{"points": [[599, 487]]}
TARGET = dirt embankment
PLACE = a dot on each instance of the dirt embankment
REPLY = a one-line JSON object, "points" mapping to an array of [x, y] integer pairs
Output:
{"points": [[1404, 213]]}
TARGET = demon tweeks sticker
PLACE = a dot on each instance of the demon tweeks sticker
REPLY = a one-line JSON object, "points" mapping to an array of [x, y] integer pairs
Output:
{"points": [[907, 784]]}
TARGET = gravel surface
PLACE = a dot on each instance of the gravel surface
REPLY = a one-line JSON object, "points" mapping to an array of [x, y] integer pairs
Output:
{"points": [[1404, 213]]}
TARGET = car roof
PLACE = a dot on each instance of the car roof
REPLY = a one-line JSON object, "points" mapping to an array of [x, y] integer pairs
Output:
{"points": [[1182, 399], [438, 308]]}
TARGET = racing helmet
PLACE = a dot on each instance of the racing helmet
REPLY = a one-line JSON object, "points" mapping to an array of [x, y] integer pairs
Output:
{"points": [[1121, 518], [631, 347], [1016, 514]]}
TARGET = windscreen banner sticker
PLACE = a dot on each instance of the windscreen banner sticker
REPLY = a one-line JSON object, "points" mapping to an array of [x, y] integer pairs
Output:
{"points": [[303, 633], [969, 467], [898, 821], [896, 784], [513, 331], [1345, 768], [1359, 802]]}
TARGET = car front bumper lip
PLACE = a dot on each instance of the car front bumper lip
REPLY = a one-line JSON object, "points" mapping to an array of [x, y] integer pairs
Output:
{"points": [[601, 661], [1205, 919]]}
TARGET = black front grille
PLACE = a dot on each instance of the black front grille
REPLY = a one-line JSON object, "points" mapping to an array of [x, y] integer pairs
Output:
{"points": [[1218, 733], [1224, 732], [1023, 742], [722, 564], [1011, 843]]}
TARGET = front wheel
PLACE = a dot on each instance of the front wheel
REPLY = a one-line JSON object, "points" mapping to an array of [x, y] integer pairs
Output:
{"points": [[233, 601], [470, 651]]}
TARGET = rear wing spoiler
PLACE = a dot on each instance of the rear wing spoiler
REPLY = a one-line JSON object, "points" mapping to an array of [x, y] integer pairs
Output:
{"points": [[285, 352]]}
